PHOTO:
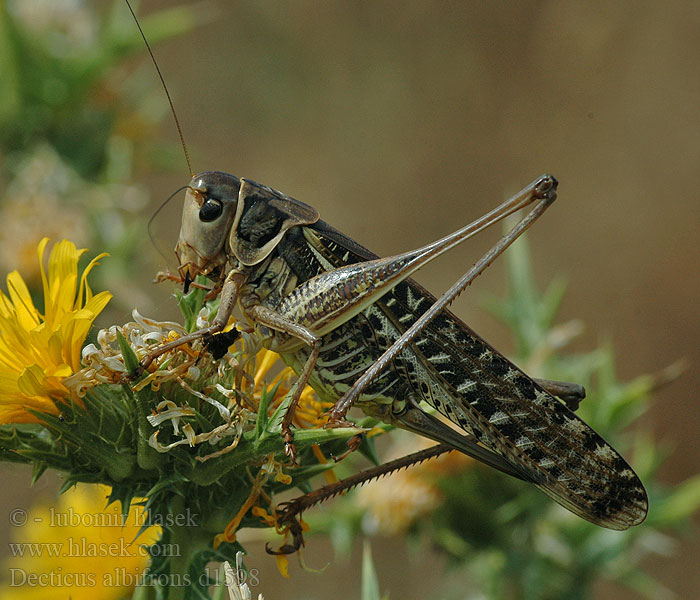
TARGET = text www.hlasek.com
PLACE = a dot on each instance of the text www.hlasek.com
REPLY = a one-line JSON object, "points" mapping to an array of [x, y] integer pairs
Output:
{"points": [[82, 548]]}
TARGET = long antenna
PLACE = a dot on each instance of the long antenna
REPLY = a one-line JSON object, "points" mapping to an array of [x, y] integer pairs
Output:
{"points": [[153, 218], [165, 87]]}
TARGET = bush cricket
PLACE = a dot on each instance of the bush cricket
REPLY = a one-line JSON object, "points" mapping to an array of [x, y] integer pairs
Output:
{"points": [[358, 330]]}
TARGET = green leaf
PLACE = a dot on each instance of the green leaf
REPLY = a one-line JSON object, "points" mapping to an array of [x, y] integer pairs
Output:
{"points": [[274, 424], [38, 469], [370, 584], [368, 449], [221, 592], [646, 586], [367, 446], [191, 303], [680, 504], [131, 361], [261, 425], [144, 592]]}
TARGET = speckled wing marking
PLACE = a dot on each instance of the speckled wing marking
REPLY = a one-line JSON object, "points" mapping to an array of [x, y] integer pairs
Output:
{"points": [[453, 369]]}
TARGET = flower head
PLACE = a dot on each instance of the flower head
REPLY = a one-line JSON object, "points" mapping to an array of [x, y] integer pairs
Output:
{"points": [[211, 419], [80, 547], [39, 350]]}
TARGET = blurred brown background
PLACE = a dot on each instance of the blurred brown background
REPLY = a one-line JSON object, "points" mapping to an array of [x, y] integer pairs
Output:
{"points": [[401, 121]]}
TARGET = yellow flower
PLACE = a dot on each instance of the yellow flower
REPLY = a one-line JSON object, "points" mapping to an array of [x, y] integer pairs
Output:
{"points": [[38, 351], [77, 549], [392, 504], [310, 412]]}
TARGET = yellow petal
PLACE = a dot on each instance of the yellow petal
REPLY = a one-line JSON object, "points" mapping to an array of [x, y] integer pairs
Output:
{"points": [[41, 248], [6, 309], [62, 371], [61, 301], [63, 261], [26, 314], [31, 380], [16, 413], [8, 386], [282, 565], [84, 291], [98, 302], [264, 362], [55, 348]]}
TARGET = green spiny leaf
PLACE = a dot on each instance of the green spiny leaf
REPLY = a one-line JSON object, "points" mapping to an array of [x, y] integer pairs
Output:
{"points": [[370, 584], [261, 424], [273, 424], [131, 361], [38, 469]]}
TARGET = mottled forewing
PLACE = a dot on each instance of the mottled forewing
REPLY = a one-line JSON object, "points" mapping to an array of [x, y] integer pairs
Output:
{"points": [[475, 387]]}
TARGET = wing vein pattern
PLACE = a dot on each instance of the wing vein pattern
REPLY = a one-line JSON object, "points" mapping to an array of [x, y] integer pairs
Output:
{"points": [[454, 370]]}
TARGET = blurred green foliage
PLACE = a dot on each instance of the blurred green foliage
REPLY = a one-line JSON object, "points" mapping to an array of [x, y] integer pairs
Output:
{"points": [[57, 83], [74, 124]]}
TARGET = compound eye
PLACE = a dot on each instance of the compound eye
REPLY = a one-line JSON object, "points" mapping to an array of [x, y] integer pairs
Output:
{"points": [[210, 210]]}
